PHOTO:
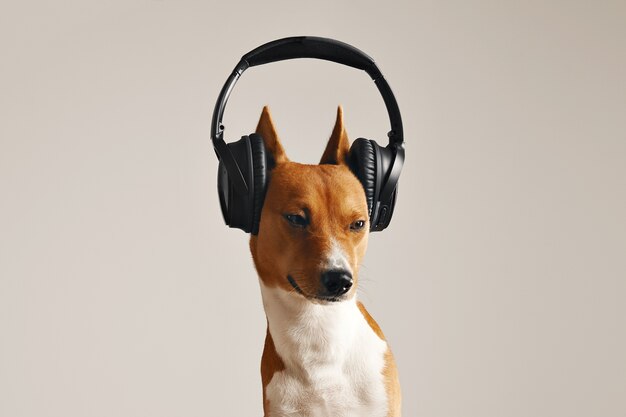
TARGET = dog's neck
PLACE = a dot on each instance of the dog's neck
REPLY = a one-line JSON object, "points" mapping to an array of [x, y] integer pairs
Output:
{"points": [[308, 335]]}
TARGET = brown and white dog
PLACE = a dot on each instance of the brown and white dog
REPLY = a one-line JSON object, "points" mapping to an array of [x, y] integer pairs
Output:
{"points": [[324, 354]]}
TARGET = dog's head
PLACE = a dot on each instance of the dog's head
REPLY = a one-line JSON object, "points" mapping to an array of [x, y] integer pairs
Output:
{"points": [[314, 223]]}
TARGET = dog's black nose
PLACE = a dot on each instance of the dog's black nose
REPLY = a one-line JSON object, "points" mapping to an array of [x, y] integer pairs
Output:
{"points": [[335, 282]]}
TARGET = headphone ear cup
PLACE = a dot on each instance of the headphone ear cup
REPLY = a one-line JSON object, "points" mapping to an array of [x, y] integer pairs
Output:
{"points": [[236, 203], [242, 208], [362, 162], [377, 169], [260, 168], [224, 191]]}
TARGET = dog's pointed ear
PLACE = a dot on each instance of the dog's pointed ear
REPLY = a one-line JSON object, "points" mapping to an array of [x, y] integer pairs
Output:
{"points": [[338, 145], [266, 129]]}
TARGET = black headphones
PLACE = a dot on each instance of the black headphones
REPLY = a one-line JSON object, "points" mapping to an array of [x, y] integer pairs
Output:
{"points": [[244, 165]]}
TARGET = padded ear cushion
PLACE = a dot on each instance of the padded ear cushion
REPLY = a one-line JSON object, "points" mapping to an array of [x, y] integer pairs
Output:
{"points": [[260, 174], [363, 164]]}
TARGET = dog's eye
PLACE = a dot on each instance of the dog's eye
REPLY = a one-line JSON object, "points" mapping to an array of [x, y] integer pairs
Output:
{"points": [[357, 225], [297, 220]]}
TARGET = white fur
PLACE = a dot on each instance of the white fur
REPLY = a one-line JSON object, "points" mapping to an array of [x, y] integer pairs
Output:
{"points": [[336, 258], [333, 359]]}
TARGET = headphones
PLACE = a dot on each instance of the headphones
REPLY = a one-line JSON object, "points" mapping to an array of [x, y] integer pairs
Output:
{"points": [[244, 165]]}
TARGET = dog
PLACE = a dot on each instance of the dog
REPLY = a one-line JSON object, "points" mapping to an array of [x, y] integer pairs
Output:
{"points": [[324, 354]]}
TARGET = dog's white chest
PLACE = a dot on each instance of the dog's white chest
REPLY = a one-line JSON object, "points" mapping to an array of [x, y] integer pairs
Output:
{"points": [[333, 360], [358, 391]]}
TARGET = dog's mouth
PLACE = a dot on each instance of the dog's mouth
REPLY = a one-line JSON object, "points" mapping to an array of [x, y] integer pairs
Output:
{"points": [[331, 299], [294, 284]]}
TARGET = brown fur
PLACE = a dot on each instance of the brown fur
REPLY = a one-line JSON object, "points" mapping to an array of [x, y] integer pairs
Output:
{"points": [[332, 197], [270, 364], [390, 372], [338, 145]]}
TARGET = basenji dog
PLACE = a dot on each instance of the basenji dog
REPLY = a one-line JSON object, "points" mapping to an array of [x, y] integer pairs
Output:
{"points": [[324, 354]]}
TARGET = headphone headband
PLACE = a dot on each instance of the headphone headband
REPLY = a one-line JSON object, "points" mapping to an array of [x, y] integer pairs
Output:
{"points": [[293, 48], [312, 47]]}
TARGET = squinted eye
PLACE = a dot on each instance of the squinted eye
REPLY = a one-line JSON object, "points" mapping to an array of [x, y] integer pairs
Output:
{"points": [[297, 220], [357, 225]]}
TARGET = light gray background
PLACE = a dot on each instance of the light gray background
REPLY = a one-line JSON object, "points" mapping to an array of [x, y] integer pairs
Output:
{"points": [[500, 283]]}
